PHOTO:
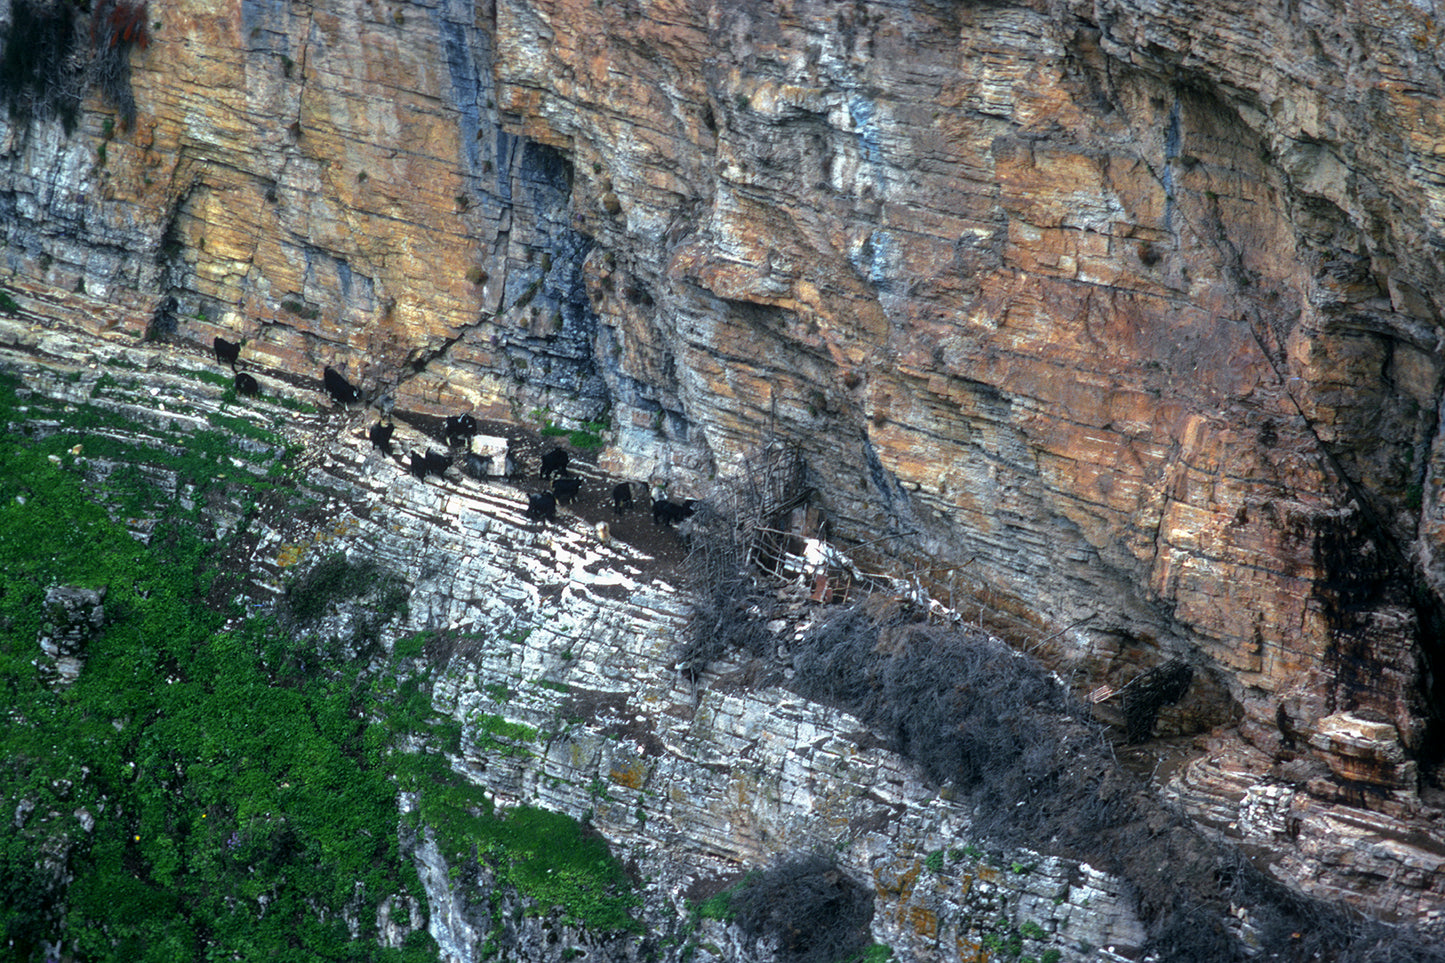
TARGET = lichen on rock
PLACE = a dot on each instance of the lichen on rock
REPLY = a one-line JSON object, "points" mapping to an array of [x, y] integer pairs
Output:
{"points": [[1116, 325]]}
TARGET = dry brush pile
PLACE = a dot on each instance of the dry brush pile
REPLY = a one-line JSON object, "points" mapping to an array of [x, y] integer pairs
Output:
{"points": [[1000, 730]]}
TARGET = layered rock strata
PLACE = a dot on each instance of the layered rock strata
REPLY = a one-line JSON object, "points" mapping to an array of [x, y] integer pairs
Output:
{"points": [[574, 641], [1119, 320]]}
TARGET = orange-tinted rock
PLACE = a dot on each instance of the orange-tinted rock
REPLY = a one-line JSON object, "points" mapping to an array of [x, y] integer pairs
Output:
{"points": [[1361, 750], [1126, 315]]}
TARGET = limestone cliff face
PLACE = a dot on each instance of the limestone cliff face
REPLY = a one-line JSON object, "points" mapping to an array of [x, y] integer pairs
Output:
{"points": [[555, 654], [1123, 318], [1117, 307]]}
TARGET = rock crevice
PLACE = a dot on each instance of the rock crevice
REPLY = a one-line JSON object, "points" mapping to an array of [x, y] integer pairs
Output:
{"points": [[1103, 307]]}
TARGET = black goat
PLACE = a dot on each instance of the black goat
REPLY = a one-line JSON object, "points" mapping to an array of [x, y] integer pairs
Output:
{"points": [[554, 463], [665, 512], [510, 468], [246, 385], [380, 436], [433, 463], [622, 497], [542, 506], [476, 466], [341, 391], [566, 489], [227, 351], [459, 430]]}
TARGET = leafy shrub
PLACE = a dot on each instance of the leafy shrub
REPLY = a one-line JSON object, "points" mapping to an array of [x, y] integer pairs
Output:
{"points": [[29, 898], [814, 910], [411, 646], [587, 437], [717, 907], [337, 578], [877, 953], [301, 309]]}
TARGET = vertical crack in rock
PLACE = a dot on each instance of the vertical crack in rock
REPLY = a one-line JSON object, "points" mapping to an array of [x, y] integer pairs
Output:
{"points": [[297, 70], [894, 498], [1363, 568], [1171, 154], [171, 269], [1205, 278], [468, 55]]}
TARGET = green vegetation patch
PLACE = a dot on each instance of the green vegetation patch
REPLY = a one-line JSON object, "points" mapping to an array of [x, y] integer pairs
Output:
{"points": [[214, 378], [719, 905], [548, 857], [497, 734], [305, 407], [227, 806], [337, 578], [587, 436], [301, 309], [412, 646], [245, 428], [216, 792]]}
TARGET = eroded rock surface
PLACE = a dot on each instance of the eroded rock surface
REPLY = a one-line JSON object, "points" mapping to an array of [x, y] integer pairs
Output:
{"points": [[73, 616], [1119, 319], [557, 655]]}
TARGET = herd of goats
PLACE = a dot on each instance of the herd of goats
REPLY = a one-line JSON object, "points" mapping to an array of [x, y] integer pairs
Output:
{"points": [[458, 432]]}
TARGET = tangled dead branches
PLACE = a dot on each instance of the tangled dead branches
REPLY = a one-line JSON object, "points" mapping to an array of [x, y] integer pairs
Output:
{"points": [[39, 70], [813, 910], [998, 728], [725, 538], [117, 27], [47, 65]]}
